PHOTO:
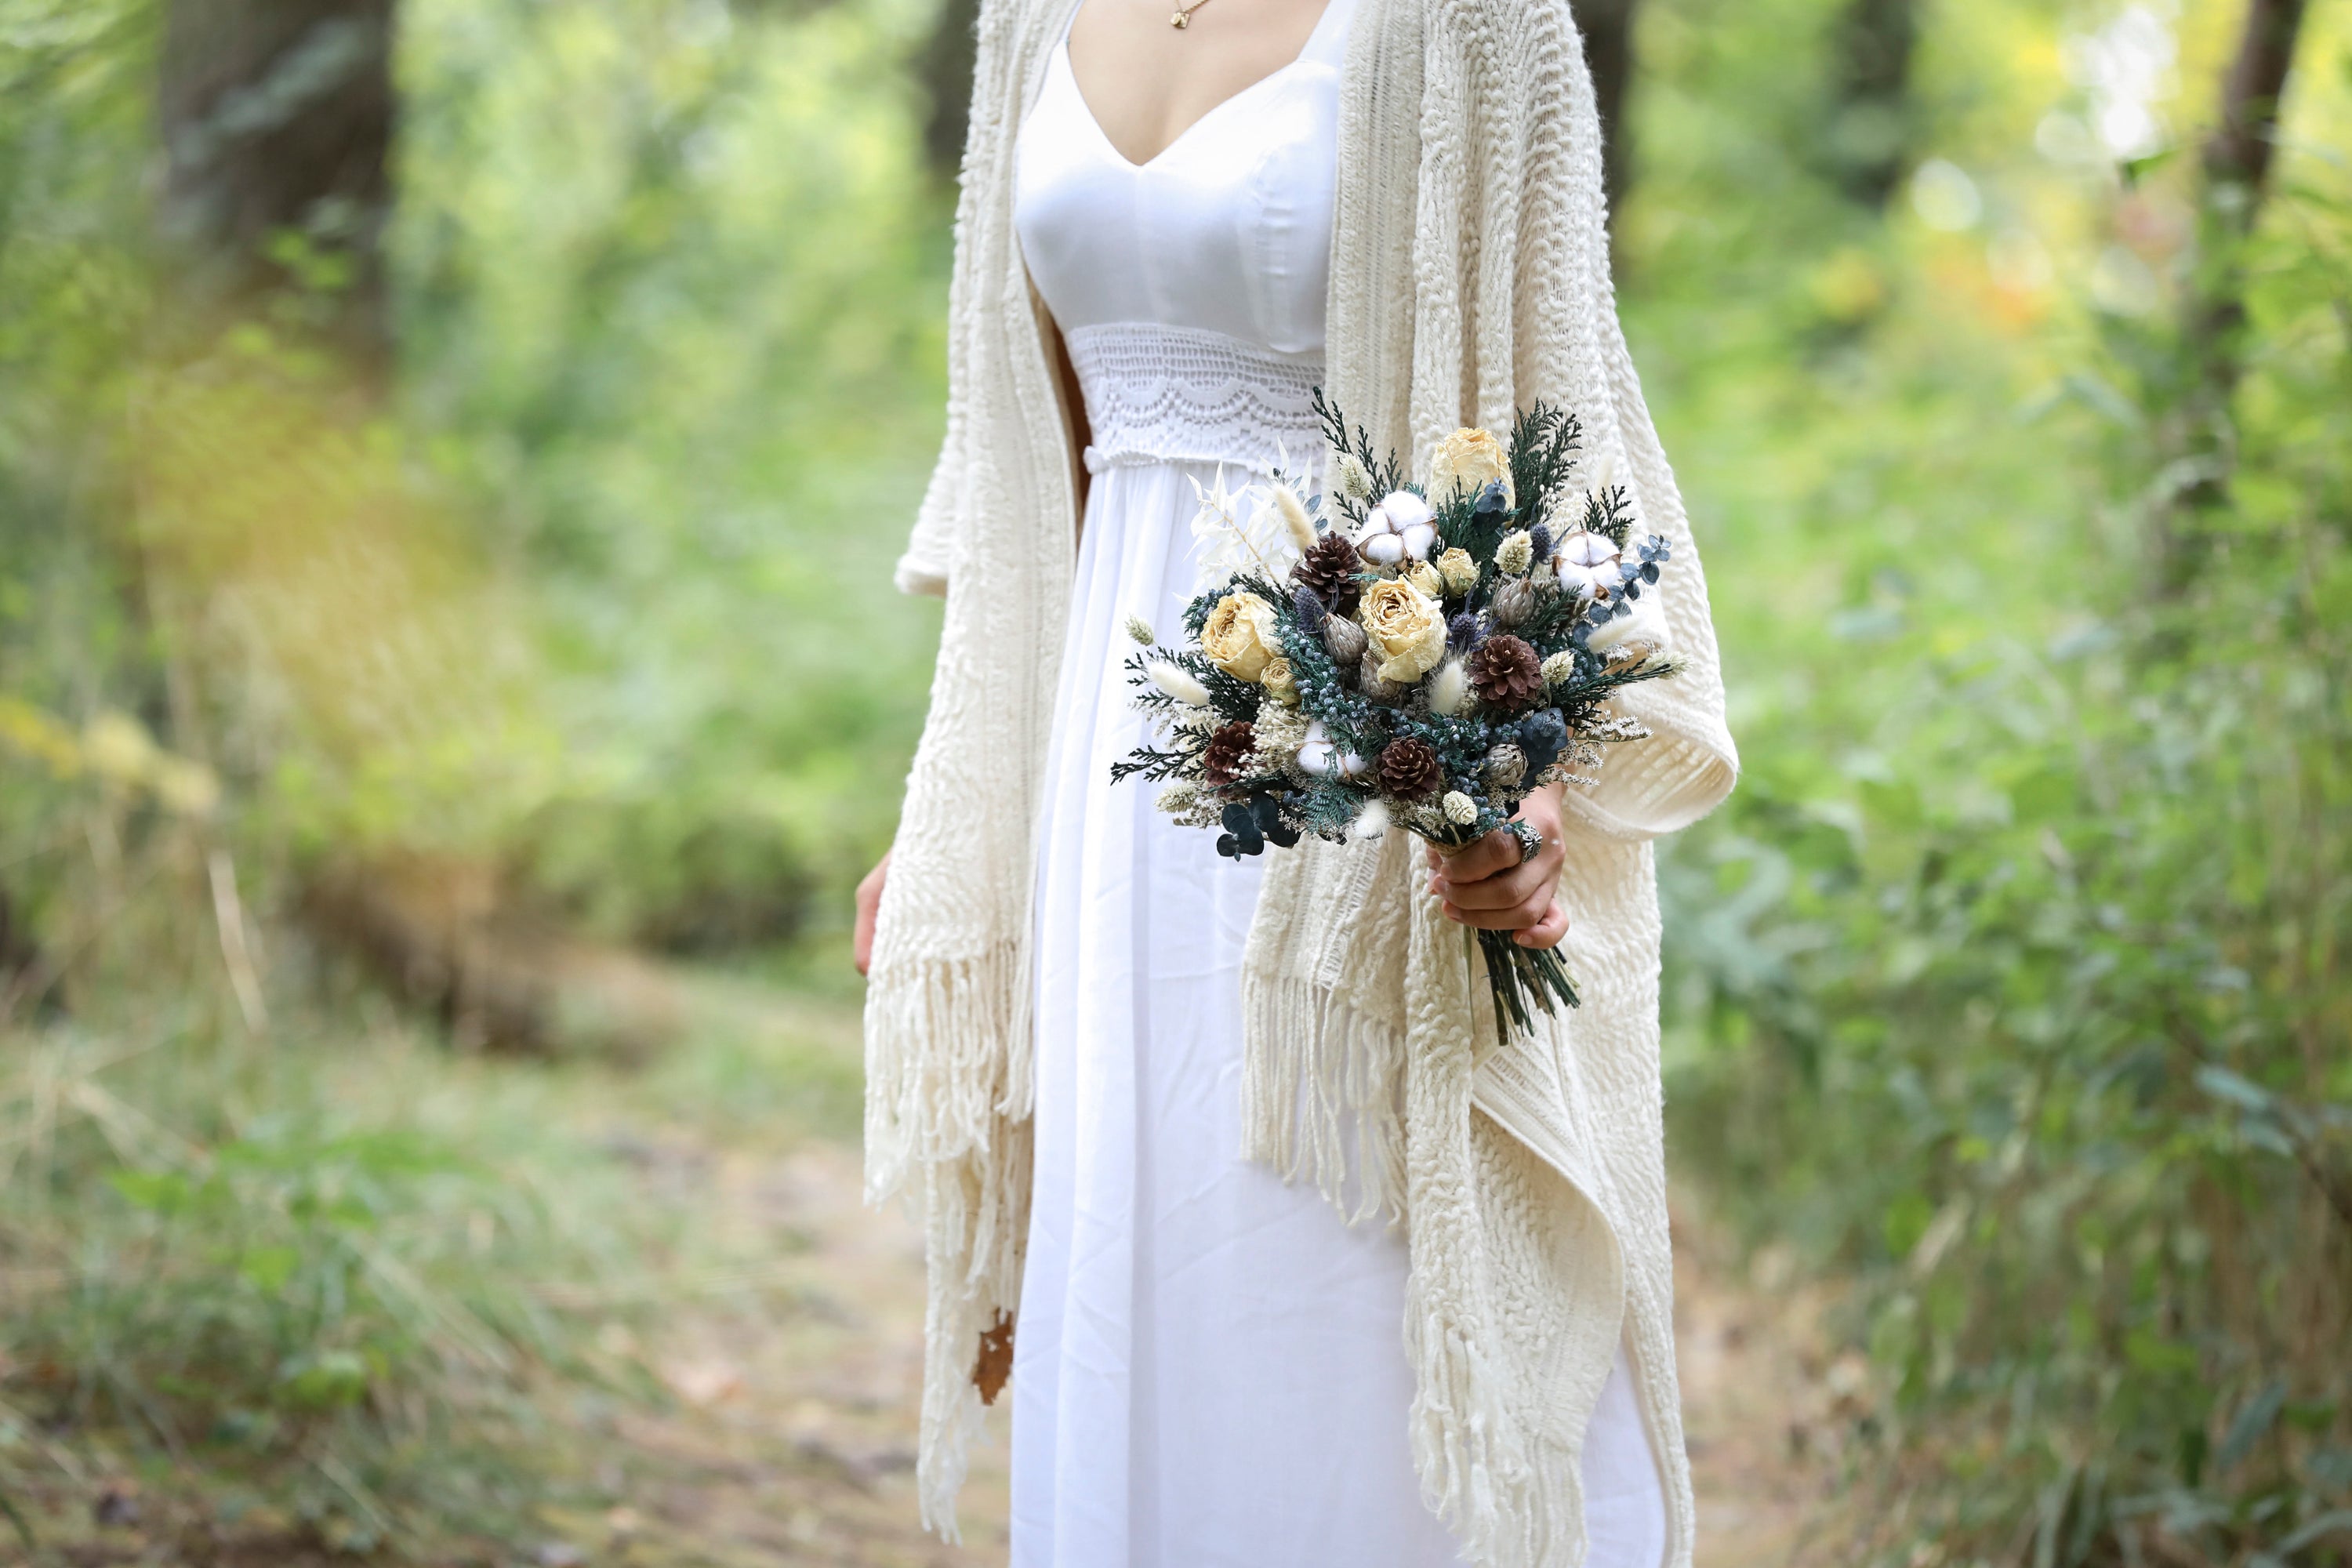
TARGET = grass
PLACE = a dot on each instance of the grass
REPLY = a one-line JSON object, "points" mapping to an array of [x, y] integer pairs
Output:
{"points": [[332, 1288]]}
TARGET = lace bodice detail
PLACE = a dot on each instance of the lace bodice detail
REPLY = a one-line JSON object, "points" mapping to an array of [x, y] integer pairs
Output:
{"points": [[1160, 393], [1190, 288]]}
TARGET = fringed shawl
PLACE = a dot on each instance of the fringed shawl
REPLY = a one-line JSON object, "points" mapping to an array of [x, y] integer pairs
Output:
{"points": [[1469, 277]]}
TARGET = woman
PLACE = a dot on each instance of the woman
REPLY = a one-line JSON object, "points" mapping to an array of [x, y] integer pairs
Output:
{"points": [[1174, 225]]}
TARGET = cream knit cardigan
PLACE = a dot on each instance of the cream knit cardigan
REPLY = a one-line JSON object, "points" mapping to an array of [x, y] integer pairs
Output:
{"points": [[1469, 277]]}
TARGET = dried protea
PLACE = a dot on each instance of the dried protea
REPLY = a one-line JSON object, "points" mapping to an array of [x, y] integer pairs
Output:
{"points": [[1506, 673], [1329, 571], [1505, 765], [1410, 770], [1345, 641], [1229, 753], [1513, 602], [1369, 683]]}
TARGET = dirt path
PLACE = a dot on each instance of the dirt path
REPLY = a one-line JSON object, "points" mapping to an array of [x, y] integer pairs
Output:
{"points": [[792, 1436]]}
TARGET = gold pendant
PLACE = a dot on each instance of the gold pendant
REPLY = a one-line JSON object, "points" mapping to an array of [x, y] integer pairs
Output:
{"points": [[1180, 20]]}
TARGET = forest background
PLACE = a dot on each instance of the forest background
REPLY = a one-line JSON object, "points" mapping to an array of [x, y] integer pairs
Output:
{"points": [[451, 455]]}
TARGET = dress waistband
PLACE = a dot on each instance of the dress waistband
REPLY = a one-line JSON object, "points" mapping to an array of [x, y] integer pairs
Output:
{"points": [[1158, 393]]}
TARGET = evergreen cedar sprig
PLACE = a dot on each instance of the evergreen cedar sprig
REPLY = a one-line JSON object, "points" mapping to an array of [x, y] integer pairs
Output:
{"points": [[1387, 474], [1544, 444], [1157, 762], [1611, 512]]}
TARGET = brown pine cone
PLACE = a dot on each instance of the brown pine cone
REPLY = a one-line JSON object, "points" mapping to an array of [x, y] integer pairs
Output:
{"points": [[1329, 569], [1506, 673], [1410, 771], [1228, 753]]}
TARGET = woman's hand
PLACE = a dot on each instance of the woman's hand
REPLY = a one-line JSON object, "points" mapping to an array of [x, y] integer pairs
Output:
{"points": [[869, 900], [1483, 884]]}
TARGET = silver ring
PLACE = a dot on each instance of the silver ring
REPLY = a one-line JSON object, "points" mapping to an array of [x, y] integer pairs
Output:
{"points": [[1530, 840]]}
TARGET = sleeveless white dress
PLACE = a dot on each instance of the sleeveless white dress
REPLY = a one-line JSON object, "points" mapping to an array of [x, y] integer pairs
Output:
{"points": [[1209, 1368]]}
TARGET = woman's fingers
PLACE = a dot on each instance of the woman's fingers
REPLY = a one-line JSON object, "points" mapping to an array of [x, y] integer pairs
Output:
{"points": [[1547, 931], [1502, 890], [1517, 917], [869, 901], [1498, 851]]}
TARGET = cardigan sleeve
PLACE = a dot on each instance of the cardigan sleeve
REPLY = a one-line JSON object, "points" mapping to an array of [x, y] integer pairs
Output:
{"points": [[923, 566], [1688, 764]]}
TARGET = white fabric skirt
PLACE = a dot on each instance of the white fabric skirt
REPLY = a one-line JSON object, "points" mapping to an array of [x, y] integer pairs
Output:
{"points": [[1209, 1368]]}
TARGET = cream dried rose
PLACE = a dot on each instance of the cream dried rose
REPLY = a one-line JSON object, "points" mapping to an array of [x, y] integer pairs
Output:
{"points": [[1426, 578], [1279, 682], [1407, 628], [1460, 572], [1240, 635], [1470, 460]]}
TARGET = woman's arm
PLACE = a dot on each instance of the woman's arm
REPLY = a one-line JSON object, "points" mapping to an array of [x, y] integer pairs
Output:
{"points": [[1074, 409]]}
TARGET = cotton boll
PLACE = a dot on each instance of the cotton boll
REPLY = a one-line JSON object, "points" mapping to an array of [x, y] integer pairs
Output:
{"points": [[1383, 549], [1405, 509], [1371, 822], [1352, 766], [1316, 758], [1178, 683], [1419, 539]]}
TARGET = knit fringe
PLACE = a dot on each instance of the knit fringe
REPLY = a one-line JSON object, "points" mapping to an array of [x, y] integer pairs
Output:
{"points": [[947, 1059], [976, 1224], [1512, 1500], [1315, 1071]]}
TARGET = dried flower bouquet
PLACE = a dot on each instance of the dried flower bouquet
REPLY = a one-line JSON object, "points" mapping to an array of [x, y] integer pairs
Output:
{"points": [[1387, 653]]}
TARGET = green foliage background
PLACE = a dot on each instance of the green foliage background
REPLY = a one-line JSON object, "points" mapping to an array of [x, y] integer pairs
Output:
{"points": [[2009, 991]]}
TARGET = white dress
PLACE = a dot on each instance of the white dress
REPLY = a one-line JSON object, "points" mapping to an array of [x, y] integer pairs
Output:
{"points": [[1209, 1368]]}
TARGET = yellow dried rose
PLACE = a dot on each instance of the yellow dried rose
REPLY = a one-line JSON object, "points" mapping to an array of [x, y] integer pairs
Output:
{"points": [[1407, 628], [1240, 637], [1470, 460], [1426, 578], [1461, 573], [1278, 680]]}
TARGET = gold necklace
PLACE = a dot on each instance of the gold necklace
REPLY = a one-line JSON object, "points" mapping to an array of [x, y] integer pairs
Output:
{"points": [[1182, 17]]}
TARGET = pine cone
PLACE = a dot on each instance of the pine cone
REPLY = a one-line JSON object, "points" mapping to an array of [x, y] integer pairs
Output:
{"points": [[1329, 569], [1229, 753], [1410, 770], [1506, 673]]}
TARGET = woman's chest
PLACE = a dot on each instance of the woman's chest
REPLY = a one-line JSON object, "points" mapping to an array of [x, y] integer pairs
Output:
{"points": [[1228, 229]]}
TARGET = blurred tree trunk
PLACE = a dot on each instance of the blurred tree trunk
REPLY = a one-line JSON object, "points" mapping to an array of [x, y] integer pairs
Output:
{"points": [[2196, 437], [1608, 27], [277, 117], [1870, 97], [2237, 177], [944, 67]]}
